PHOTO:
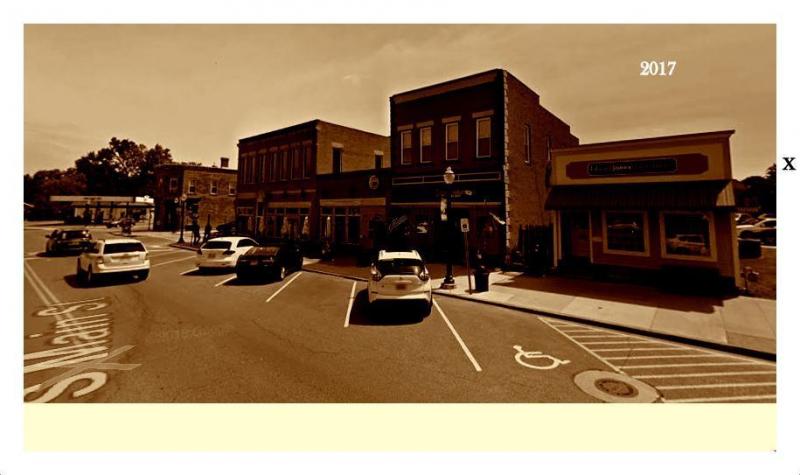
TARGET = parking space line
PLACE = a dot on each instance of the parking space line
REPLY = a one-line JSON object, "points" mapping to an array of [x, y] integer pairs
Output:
{"points": [[225, 281], [720, 385], [722, 399], [457, 336], [700, 375], [283, 287], [190, 270], [701, 355], [665, 348], [640, 342], [350, 305], [171, 261], [79, 301], [624, 337], [679, 365]]}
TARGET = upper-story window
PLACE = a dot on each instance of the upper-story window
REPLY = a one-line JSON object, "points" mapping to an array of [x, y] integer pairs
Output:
{"points": [[173, 184], [296, 171], [264, 168], [527, 144], [274, 166], [483, 132], [337, 161], [284, 165], [192, 189], [213, 188], [405, 147], [378, 161], [451, 137], [231, 188], [425, 149], [308, 161]]}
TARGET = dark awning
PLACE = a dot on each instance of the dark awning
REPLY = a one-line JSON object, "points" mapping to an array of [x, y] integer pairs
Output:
{"points": [[702, 195]]}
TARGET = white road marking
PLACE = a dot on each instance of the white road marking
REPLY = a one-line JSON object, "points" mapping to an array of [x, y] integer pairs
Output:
{"points": [[283, 287], [457, 336], [701, 355], [720, 385], [173, 260], [36, 289], [556, 328], [35, 335], [225, 281], [722, 399], [665, 348], [78, 301], [532, 355], [698, 375], [350, 305], [679, 365], [640, 342], [610, 337], [190, 270]]}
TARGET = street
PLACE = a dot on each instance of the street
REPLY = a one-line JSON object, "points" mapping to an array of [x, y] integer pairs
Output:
{"points": [[184, 336]]}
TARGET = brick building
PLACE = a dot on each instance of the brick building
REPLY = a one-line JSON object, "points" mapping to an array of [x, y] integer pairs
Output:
{"points": [[491, 129], [210, 194], [313, 180]]}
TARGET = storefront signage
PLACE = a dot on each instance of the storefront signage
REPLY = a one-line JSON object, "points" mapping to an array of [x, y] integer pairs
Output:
{"points": [[688, 164], [374, 182]]}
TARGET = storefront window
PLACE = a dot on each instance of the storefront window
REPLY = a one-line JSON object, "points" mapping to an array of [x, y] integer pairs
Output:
{"points": [[625, 231], [687, 234]]}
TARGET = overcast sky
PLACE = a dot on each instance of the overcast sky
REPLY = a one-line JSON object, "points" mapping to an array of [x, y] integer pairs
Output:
{"points": [[198, 89]]}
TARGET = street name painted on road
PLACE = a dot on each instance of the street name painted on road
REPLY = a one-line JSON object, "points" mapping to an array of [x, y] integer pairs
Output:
{"points": [[81, 336]]}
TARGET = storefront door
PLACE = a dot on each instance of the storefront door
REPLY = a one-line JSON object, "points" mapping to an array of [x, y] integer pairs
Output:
{"points": [[575, 235]]}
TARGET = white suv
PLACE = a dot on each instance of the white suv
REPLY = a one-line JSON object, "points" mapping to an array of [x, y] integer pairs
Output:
{"points": [[400, 276], [113, 256], [222, 252]]}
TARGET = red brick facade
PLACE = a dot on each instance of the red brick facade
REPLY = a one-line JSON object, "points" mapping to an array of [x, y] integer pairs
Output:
{"points": [[210, 193]]}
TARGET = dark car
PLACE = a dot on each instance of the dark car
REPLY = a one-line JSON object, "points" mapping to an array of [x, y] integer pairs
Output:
{"points": [[270, 261], [67, 240]]}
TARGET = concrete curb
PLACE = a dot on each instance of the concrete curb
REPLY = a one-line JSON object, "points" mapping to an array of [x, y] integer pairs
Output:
{"points": [[183, 246], [611, 326], [577, 319]]}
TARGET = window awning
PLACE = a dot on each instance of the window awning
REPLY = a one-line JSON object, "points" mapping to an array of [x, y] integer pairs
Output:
{"points": [[702, 195]]}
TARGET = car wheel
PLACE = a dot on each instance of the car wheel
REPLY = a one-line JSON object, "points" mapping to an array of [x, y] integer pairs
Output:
{"points": [[81, 276], [426, 309], [90, 278]]}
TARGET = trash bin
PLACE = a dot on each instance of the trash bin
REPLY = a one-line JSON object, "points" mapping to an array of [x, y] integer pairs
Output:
{"points": [[481, 280], [749, 248]]}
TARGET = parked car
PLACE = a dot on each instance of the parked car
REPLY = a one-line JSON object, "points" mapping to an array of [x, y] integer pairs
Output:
{"points": [[113, 257], [765, 230], [273, 261], [224, 229], [400, 276], [690, 244], [66, 240], [223, 252]]}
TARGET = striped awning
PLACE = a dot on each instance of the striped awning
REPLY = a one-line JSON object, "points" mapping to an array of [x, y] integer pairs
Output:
{"points": [[703, 195]]}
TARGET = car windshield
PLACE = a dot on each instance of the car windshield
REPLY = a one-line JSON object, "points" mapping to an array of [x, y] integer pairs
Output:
{"points": [[217, 245], [400, 266], [75, 234], [120, 247]]}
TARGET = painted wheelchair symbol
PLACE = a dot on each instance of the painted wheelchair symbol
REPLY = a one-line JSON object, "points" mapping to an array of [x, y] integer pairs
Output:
{"points": [[534, 355]]}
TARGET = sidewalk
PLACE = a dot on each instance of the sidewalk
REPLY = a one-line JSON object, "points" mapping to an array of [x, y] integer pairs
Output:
{"points": [[733, 321]]}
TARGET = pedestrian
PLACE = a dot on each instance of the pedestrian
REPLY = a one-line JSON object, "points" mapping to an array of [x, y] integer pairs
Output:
{"points": [[207, 233], [195, 233]]}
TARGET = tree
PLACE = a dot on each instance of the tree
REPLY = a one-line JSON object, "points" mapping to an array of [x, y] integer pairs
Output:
{"points": [[761, 190], [122, 168], [46, 183]]}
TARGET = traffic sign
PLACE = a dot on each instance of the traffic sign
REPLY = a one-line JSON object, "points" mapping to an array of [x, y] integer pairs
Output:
{"points": [[464, 225]]}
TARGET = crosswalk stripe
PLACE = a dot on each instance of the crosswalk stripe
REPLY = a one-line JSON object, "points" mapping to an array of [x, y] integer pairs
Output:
{"points": [[722, 399], [698, 375], [720, 385], [678, 365]]}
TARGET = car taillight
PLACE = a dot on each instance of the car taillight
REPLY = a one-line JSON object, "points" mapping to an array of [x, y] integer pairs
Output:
{"points": [[423, 275], [375, 274]]}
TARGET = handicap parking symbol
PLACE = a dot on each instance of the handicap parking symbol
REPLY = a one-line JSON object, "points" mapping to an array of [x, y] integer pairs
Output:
{"points": [[527, 358]]}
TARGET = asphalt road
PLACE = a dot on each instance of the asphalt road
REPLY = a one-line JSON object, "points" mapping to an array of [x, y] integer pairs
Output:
{"points": [[181, 336]]}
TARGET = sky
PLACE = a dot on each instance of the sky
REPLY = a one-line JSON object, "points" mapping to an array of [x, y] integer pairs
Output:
{"points": [[198, 89]]}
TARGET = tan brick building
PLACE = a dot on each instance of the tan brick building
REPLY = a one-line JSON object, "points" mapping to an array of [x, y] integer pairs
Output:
{"points": [[313, 180], [210, 194]]}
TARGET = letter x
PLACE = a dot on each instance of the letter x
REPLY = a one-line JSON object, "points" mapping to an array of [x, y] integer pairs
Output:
{"points": [[788, 161]]}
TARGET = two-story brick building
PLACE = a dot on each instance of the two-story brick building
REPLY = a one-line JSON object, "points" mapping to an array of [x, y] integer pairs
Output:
{"points": [[313, 180], [492, 130], [210, 194]]}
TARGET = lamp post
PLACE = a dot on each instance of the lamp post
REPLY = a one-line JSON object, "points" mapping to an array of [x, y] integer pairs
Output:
{"points": [[449, 178], [183, 209]]}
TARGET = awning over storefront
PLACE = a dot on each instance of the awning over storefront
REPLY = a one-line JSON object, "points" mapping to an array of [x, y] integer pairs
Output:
{"points": [[684, 196]]}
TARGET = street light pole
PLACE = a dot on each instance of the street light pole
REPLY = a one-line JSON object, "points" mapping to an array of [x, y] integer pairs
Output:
{"points": [[183, 210], [449, 178]]}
